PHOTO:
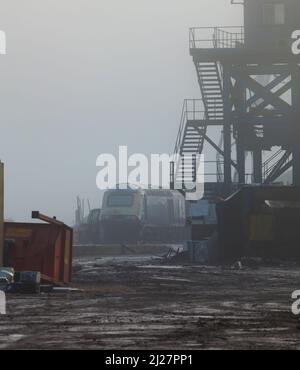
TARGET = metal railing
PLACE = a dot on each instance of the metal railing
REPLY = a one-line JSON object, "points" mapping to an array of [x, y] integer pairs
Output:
{"points": [[193, 109], [275, 162], [271, 162], [217, 37]]}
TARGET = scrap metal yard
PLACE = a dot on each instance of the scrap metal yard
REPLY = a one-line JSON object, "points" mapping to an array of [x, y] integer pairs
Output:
{"points": [[147, 302], [170, 248]]}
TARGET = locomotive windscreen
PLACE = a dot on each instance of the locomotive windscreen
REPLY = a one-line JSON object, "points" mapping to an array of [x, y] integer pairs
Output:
{"points": [[157, 210], [120, 200]]}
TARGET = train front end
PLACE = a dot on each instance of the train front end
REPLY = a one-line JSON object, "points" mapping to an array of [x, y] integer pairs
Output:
{"points": [[121, 216]]}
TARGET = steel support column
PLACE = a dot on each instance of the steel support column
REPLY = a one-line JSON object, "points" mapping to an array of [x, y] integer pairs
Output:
{"points": [[240, 107], [257, 166], [296, 124], [227, 128]]}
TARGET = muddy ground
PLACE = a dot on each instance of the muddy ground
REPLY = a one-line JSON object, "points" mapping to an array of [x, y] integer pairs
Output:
{"points": [[147, 303]]}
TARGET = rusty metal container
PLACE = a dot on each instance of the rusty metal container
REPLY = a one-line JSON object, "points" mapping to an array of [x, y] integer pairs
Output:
{"points": [[44, 248], [1, 213]]}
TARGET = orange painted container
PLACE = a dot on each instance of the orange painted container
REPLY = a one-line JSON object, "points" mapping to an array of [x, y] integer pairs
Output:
{"points": [[45, 248]]}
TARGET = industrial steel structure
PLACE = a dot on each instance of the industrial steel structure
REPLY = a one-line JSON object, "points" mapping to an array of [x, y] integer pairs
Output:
{"points": [[250, 86]]}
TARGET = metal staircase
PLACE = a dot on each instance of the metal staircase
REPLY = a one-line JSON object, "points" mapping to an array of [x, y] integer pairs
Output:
{"points": [[209, 76], [195, 121], [189, 143], [196, 116]]}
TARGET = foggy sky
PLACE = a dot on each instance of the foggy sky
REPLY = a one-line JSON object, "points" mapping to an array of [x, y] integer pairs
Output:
{"points": [[81, 78]]}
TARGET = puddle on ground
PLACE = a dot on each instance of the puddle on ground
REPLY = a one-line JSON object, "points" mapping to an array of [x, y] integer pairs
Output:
{"points": [[161, 267], [7, 340]]}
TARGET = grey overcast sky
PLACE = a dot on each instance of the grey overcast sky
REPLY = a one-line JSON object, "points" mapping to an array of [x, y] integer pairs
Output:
{"points": [[82, 77]]}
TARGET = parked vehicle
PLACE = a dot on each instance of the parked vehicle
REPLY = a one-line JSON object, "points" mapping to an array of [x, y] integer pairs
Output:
{"points": [[143, 215]]}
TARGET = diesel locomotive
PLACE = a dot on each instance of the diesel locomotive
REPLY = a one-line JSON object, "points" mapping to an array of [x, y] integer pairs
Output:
{"points": [[133, 215]]}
